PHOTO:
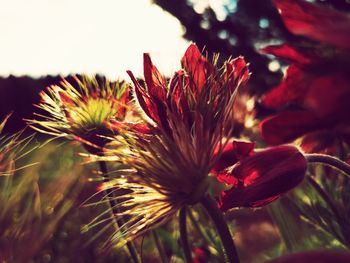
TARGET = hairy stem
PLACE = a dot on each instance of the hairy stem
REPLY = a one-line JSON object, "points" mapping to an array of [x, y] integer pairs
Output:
{"points": [[113, 206], [222, 228], [183, 235], [329, 160]]}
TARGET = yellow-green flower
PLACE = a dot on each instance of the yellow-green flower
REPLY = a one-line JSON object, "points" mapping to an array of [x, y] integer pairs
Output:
{"points": [[83, 110]]}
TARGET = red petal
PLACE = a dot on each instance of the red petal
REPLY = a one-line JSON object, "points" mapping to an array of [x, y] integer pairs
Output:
{"points": [[157, 93], [314, 91], [224, 176], [328, 96], [265, 176], [292, 89], [197, 66], [288, 52], [147, 105], [316, 22], [287, 126], [154, 80], [177, 100], [236, 72], [232, 153]]}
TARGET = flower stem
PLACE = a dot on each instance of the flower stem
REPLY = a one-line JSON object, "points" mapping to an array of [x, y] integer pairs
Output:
{"points": [[113, 206], [222, 228], [329, 160], [183, 235], [162, 254], [196, 225]]}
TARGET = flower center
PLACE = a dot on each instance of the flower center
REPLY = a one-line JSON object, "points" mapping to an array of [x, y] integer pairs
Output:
{"points": [[92, 113]]}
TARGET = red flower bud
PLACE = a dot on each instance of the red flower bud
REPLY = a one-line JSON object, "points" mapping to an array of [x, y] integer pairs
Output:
{"points": [[264, 176]]}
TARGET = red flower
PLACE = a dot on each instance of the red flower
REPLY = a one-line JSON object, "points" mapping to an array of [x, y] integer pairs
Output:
{"points": [[201, 255], [169, 168], [317, 83], [189, 89], [259, 177]]}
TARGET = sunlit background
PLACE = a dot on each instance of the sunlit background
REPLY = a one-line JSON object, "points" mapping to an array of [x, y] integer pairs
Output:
{"points": [[40, 37]]}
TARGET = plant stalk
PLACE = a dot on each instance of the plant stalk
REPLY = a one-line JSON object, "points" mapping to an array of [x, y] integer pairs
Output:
{"points": [[113, 206], [222, 228], [162, 254], [183, 235], [197, 226], [329, 160]]}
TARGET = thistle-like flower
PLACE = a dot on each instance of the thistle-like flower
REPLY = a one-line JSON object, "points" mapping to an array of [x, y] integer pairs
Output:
{"points": [[169, 169], [83, 111]]}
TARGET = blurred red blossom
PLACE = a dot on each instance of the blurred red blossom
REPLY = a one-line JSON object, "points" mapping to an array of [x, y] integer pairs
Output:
{"points": [[201, 255], [258, 177], [314, 94]]}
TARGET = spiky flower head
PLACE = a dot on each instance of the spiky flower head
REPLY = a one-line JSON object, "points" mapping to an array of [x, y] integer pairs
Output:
{"points": [[169, 169], [83, 110]]}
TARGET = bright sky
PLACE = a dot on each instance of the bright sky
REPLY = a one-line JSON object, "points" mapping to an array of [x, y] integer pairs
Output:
{"points": [[40, 37]]}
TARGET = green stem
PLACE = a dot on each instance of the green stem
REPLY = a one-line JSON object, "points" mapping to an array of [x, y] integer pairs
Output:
{"points": [[222, 228], [162, 254], [183, 235], [194, 222], [113, 206], [329, 160]]}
